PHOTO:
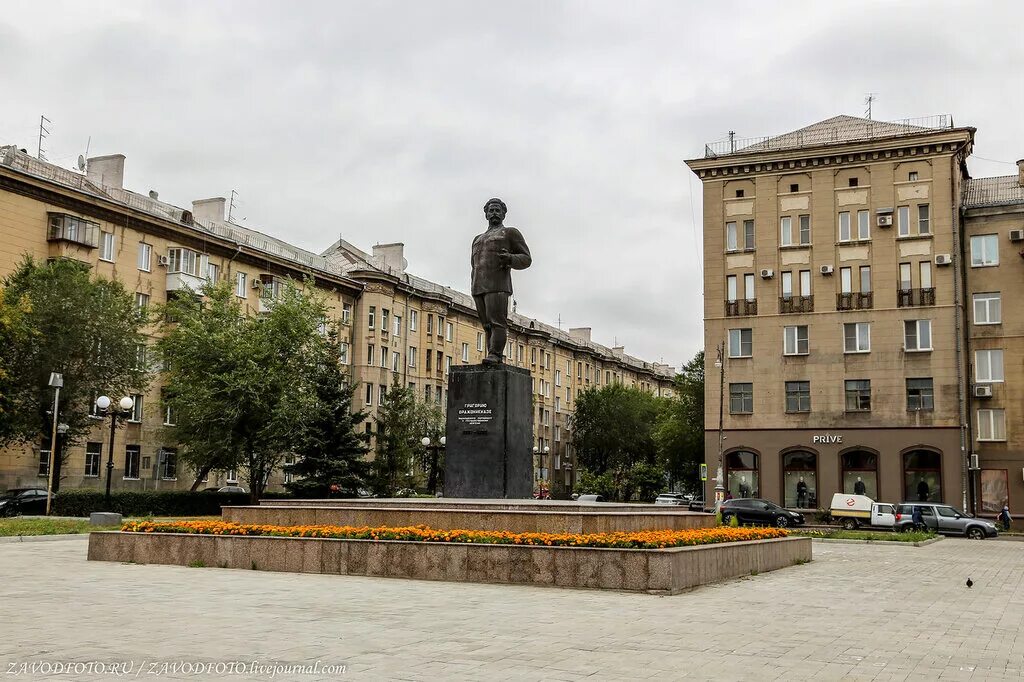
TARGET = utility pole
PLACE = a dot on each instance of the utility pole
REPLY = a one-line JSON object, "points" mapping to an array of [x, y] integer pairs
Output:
{"points": [[719, 477]]}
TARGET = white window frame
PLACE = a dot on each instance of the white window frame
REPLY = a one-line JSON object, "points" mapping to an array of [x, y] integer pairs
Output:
{"points": [[865, 279], [731, 236], [862, 337], [845, 227], [107, 246], [343, 353], [241, 284], [980, 258], [805, 282], [925, 274], [412, 356], [800, 223], [731, 288], [449, 331], [480, 344], [992, 420], [985, 301], [736, 342], [906, 277], [924, 222], [792, 341], [413, 319], [917, 326], [465, 352], [988, 363], [145, 257], [749, 245], [786, 231], [846, 280], [786, 280], [369, 394], [749, 292], [863, 225], [137, 449], [903, 221]]}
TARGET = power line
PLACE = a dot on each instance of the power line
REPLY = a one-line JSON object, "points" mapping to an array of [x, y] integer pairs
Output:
{"points": [[1005, 163]]}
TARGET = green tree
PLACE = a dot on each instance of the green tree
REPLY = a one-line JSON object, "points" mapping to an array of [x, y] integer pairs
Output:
{"points": [[679, 434], [397, 439], [65, 320], [430, 423], [243, 387], [332, 453]]}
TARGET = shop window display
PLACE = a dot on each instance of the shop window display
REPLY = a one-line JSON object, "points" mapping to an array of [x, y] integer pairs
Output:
{"points": [[922, 476], [860, 473], [994, 490], [799, 480], [742, 474]]}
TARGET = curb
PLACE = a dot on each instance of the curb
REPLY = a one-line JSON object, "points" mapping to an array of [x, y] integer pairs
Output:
{"points": [[878, 542], [42, 538]]}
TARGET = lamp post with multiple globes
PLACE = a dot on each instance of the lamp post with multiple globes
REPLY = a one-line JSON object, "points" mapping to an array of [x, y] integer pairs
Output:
{"points": [[122, 409]]}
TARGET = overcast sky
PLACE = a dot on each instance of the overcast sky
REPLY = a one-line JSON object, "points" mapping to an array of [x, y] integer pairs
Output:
{"points": [[395, 121]]}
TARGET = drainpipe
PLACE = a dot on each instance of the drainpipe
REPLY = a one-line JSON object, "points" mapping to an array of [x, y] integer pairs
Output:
{"points": [[959, 285]]}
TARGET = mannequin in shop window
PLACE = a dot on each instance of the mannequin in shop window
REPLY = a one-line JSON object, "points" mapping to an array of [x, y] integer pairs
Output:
{"points": [[801, 494], [859, 488], [744, 488], [923, 490]]}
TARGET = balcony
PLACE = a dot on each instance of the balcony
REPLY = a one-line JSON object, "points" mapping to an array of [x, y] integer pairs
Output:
{"points": [[184, 281], [741, 308], [69, 228], [796, 304], [854, 301], [910, 298]]}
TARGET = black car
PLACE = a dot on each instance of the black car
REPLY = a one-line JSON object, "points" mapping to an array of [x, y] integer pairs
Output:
{"points": [[24, 501], [761, 512]]}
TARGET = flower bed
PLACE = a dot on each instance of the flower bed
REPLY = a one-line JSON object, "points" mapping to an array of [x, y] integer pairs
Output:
{"points": [[622, 540]]}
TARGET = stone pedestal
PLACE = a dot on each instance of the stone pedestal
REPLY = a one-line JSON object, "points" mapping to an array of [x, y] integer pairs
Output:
{"points": [[489, 435]]}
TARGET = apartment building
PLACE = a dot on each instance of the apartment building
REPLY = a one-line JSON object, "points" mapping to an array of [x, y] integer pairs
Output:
{"points": [[834, 312], [393, 324]]}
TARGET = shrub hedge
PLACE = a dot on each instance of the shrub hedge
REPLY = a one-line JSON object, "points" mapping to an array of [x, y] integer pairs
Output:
{"points": [[146, 502]]}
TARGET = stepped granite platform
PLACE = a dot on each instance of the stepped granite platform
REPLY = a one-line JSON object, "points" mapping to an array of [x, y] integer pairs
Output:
{"points": [[538, 516]]}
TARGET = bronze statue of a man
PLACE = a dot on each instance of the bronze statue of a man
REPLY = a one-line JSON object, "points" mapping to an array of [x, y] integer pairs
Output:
{"points": [[496, 253]]}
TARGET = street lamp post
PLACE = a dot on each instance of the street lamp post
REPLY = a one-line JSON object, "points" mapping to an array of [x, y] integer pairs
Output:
{"points": [[434, 452], [720, 476], [56, 383], [544, 475], [124, 407]]}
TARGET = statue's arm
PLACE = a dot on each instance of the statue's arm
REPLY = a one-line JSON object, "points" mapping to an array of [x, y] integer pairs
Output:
{"points": [[519, 252]]}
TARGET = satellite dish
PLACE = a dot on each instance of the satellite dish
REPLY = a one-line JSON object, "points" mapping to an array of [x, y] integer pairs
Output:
{"points": [[81, 163]]}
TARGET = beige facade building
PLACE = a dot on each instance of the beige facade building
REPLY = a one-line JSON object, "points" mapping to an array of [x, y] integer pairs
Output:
{"points": [[838, 281], [396, 326]]}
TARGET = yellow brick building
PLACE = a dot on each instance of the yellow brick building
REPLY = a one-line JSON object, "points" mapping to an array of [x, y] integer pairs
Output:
{"points": [[394, 324]]}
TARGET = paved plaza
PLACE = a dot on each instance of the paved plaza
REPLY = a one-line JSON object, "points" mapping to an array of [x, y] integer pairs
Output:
{"points": [[859, 612]]}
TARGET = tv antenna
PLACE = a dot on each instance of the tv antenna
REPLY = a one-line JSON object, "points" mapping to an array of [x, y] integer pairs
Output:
{"points": [[231, 204], [43, 133], [868, 101], [83, 159]]}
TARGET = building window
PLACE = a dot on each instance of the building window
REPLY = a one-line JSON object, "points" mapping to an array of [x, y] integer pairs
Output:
{"points": [[805, 230], [289, 462], [480, 346], [860, 473], [917, 335], [794, 187], [384, 357], [853, 182], [430, 324], [739, 193], [140, 356], [241, 280], [414, 316], [922, 476], [742, 474], [132, 455], [844, 227], [396, 361], [858, 395], [141, 302], [987, 308], [440, 359], [107, 246], [371, 317], [184, 261], [93, 452], [992, 425], [396, 325], [428, 395], [136, 413], [988, 366], [231, 476], [369, 394], [863, 225], [994, 490], [212, 272], [384, 312], [920, 395], [857, 337], [912, 176], [558, 378], [169, 464], [369, 354], [800, 480], [448, 331], [865, 279], [903, 221], [465, 352], [412, 356], [984, 250], [430, 357], [343, 352], [170, 417], [730, 288], [798, 396], [795, 340], [145, 256], [741, 343], [786, 230], [787, 284], [741, 398], [923, 223], [440, 325], [748, 235], [382, 392], [731, 237]]}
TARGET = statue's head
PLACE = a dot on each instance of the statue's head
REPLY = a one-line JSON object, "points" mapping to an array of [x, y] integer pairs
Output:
{"points": [[495, 210]]}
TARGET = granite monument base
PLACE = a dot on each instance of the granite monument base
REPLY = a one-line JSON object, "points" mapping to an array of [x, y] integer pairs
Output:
{"points": [[489, 434]]}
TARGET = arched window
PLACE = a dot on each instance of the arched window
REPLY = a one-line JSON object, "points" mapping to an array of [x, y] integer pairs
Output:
{"points": [[922, 476], [742, 470], [860, 473], [800, 479]]}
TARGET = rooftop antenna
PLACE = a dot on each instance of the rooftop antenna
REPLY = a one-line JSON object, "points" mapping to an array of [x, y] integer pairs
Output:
{"points": [[732, 141], [868, 101], [83, 159], [43, 132], [231, 204], [559, 321]]}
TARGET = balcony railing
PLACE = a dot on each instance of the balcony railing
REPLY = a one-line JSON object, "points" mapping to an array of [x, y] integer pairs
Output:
{"points": [[908, 298], [741, 307], [854, 300], [71, 228], [796, 304]]}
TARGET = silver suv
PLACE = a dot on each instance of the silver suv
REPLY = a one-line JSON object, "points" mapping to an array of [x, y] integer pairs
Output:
{"points": [[944, 519]]}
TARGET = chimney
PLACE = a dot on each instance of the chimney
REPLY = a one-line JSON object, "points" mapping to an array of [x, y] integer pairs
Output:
{"points": [[581, 333], [391, 257], [106, 170], [1020, 172], [209, 209], [619, 351]]}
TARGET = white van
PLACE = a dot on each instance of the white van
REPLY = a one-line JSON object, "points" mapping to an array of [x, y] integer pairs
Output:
{"points": [[854, 511]]}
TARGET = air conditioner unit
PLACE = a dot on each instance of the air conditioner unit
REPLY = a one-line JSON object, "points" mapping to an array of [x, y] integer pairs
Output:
{"points": [[767, 273], [1017, 235], [827, 269], [982, 391], [163, 260], [972, 462], [943, 259], [885, 220]]}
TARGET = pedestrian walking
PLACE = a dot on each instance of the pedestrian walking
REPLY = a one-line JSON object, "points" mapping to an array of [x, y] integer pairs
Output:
{"points": [[1005, 518], [918, 518]]}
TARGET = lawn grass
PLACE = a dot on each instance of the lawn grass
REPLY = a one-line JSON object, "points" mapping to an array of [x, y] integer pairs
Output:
{"points": [[869, 535], [17, 525]]}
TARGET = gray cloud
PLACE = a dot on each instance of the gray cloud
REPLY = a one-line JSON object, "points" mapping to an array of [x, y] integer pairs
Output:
{"points": [[393, 121]]}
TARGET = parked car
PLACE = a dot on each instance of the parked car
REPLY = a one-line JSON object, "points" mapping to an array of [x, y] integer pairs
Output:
{"points": [[232, 489], [697, 504], [671, 498], [24, 501], [945, 520], [757, 511], [854, 511], [590, 498]]}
